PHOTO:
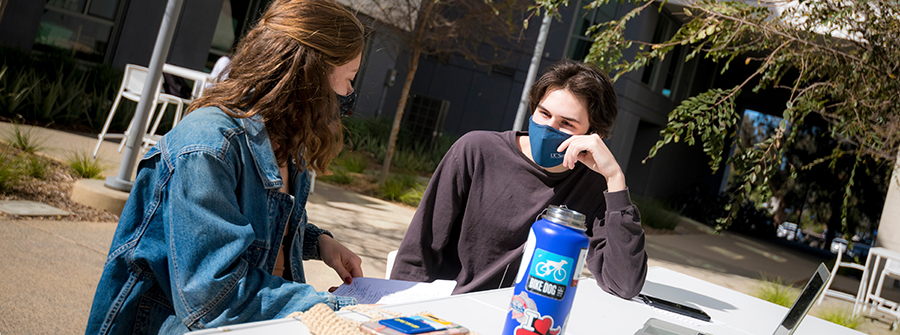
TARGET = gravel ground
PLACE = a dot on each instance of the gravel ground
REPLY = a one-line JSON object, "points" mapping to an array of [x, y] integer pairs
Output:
{"points": [[54, 189]]}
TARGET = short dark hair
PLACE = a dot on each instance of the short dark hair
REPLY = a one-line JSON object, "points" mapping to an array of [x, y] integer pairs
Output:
{"points": [[588, 83]]}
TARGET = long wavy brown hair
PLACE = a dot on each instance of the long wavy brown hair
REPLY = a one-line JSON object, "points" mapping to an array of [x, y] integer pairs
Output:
{"points": [[280, 72]]}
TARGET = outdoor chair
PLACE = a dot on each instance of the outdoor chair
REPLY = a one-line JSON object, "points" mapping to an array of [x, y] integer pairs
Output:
{"points": [[390, 264], [838, 294], [185, 96], [891, 270], [132, 87]]}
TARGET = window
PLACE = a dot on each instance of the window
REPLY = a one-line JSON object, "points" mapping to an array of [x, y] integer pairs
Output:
{"points": [[669, 76], [235, 18], [83, 26], [579, 43]]}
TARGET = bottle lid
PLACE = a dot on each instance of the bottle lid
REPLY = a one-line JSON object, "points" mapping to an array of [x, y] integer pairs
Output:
{"points": [[564, 216]]}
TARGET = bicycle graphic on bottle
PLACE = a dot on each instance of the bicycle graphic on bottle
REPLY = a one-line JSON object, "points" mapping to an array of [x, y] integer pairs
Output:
{"points": [[546, 268]]}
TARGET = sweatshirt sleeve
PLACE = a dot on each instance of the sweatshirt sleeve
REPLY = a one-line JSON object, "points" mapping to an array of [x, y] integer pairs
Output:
{"points": [[423, 253], [617, 258]]}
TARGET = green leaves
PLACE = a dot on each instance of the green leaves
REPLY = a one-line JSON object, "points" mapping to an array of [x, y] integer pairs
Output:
{"points": [[709, 115], [848, 80]]}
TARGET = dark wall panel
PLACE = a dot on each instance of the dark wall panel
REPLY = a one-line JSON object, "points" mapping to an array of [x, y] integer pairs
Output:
{"points": [[20, 23], [193, 33], [451, 83]]}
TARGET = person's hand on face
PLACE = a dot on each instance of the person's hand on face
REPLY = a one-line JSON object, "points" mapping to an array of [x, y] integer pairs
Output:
{"points": [[591, 151], [346, 263], [562, 110]]}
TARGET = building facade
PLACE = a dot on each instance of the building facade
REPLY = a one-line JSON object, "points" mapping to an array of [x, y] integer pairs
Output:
{"points": [[460, 95]]}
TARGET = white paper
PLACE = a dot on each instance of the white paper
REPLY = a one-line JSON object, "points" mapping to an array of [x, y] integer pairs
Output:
{"points": [[386, 291]]}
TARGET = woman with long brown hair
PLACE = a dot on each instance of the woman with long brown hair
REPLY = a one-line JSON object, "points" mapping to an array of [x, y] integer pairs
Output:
{"points": [[215, 229]]}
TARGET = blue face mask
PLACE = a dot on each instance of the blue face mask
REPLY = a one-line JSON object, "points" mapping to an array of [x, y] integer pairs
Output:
{"points": [[544, 141], [346, 103]]}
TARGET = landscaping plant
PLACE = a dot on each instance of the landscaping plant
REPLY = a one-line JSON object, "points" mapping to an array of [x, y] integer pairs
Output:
{"points": [[24, 140], [35, 167], [774, 291], [841, 316], [84, 165], [9, 171]]}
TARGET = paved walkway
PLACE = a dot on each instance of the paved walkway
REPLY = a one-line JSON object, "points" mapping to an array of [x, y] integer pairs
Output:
{"points": [[51, 267]]}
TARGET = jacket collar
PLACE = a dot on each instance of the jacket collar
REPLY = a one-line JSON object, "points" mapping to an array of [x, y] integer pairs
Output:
{"points": [[262, 153]]}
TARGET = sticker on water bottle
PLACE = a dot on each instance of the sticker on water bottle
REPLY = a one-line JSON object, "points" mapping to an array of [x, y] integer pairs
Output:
{"points": [[530, 320], [550, 274]]}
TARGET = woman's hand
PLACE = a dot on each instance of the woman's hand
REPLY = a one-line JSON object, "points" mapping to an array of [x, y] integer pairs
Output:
{"points": [[346, 263], [593, 153]]}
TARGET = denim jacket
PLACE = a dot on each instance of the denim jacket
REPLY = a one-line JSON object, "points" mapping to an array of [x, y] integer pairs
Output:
{"points": [[198, 238]]}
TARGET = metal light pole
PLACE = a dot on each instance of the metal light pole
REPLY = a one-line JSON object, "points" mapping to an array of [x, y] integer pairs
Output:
{"points": [[532, 69], [122, 181]]}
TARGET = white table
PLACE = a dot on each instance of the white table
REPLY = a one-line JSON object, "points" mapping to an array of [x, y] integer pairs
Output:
{"points": [[867, 282], [199, 78], [597, 312]]}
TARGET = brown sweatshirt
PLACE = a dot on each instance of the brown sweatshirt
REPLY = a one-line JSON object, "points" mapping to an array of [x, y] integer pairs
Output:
{"points": [[473, 220]]}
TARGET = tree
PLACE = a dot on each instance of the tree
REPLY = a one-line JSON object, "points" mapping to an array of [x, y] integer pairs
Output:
{"points": [[444, 27], [819, 190], [837, 59]]}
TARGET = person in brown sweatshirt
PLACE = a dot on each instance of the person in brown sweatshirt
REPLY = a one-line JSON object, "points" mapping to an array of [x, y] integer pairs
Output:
{"points": [[474, 218]]}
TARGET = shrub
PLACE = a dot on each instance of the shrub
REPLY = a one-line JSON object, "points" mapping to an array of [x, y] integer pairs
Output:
{"points": [[85, 166], [36, 167], [656, 214], [9, 171], [337, 176], [413, 195], [353, 162], [15, 92], [24, 140], [842, 317], [410, 155], [774, 291], [396, 186], [54, 88], [700, 205]]}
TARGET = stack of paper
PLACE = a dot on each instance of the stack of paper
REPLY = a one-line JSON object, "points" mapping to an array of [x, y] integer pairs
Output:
{"points": [[386, 291]]}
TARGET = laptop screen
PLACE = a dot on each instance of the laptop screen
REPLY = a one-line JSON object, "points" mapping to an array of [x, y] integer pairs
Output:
{"points": [[804, 303]]}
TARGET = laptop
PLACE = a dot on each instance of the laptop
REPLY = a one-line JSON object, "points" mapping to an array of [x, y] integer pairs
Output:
{"points": [[788, 325], [804, 303]]}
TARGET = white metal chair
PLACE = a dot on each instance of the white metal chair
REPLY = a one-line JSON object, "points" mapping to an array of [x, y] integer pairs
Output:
{"points": [[199, 79], [132, 87], [390, 264], [838, 294], [891, 270]]}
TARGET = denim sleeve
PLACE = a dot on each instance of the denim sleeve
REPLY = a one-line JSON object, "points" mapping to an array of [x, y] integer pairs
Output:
{"points": [[311, 242], [208, 236]]}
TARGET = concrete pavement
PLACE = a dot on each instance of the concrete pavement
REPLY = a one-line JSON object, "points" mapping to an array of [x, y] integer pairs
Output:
{"points": [[50, 272], [51, 267]]}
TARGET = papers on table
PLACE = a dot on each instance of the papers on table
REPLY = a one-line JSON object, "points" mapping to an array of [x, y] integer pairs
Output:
{"points": [[386, 291]]}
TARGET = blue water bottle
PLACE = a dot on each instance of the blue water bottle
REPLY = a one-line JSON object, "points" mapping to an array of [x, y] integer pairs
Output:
{"points": [[548, 275]]}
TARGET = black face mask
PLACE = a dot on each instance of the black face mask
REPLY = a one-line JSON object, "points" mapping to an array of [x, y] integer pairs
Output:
{"points": [[346, 103]]}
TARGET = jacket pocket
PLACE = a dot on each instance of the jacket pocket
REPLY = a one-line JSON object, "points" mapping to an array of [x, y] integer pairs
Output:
{"points": [[256, 254], [153, 309]]}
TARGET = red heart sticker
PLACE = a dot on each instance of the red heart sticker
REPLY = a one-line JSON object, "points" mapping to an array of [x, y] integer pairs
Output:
{"points": [[542, 325]]}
